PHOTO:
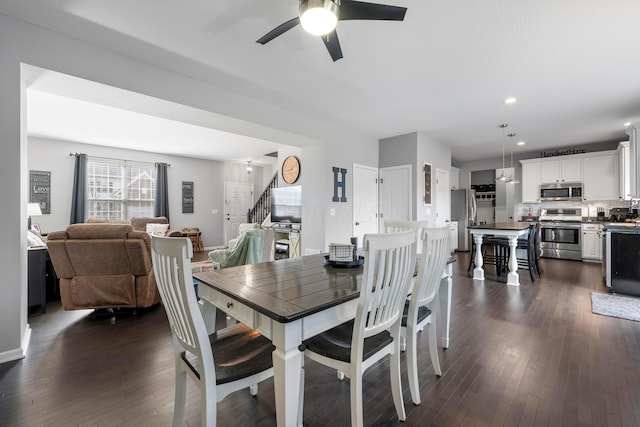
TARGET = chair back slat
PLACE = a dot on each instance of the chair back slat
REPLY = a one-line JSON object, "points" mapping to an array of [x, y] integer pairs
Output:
{"points": [[396, 225], [389, 264], [171, 257], [433, 261]]}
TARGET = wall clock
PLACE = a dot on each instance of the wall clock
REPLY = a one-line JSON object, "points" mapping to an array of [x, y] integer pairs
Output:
{"points": [[290, 169]]}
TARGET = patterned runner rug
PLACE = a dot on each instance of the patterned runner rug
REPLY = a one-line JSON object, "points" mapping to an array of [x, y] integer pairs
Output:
{"points": [[616, 306]]}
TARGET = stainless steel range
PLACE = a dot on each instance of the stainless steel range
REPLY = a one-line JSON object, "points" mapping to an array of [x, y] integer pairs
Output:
{"points": [[560, 233]]}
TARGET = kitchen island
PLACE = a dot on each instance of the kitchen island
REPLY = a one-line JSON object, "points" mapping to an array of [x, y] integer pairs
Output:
{"points": [[509, 230]]}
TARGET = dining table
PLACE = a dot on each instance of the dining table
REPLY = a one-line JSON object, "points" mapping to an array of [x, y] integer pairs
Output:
{"points": [[290, 300], [509, 230]]}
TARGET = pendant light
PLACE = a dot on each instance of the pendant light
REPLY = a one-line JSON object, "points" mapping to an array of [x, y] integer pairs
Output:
{"points": [[513, 179], [503, 177]]}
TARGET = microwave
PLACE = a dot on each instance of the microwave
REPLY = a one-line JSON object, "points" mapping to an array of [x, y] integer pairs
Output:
{"points": [[561, 191]]}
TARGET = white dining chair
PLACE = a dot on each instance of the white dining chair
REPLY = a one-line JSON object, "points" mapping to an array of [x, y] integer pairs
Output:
{"points": [[355, 346], [228, 360], [420, 309]]}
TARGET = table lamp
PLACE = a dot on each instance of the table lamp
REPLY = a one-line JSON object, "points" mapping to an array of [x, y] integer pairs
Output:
{"points": [[33, 209]]}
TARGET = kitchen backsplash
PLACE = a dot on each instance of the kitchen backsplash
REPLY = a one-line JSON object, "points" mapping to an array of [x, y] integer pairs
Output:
{"points": [[588, 209]]}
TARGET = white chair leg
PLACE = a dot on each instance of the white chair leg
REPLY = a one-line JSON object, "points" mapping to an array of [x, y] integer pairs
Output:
{"points": [[412, 365], [403, 339], [396, 384], [357, 418], [180, 396], [208, 405], [433, 346], [253, 389]]}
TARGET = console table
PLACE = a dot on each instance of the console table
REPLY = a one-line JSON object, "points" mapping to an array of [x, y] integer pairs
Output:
{"points": [[37, 279]]}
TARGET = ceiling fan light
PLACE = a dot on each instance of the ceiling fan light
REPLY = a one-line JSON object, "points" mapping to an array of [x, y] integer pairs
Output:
{"points": [[318, 17]]}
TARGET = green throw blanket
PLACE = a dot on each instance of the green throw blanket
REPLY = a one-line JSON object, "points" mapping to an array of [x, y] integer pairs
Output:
{"points": [[248, 250]]}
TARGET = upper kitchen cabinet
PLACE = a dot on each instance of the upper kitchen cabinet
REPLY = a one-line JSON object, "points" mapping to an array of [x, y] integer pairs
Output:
{"points": [[601, 182], [454, 178], [624, 163], [530, 180], [567, 169]]}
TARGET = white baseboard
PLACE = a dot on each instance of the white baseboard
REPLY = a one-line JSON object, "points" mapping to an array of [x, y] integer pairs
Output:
{"points": [[17, 353]]}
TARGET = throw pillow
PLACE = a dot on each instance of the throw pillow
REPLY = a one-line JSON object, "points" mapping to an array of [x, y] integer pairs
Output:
{"points": [[157, 229]]}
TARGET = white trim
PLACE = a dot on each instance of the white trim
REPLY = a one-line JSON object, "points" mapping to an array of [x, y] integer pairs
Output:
{"points": [[18, 353]]}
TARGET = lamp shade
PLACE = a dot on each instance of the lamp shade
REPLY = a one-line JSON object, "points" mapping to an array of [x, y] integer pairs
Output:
{"points": [[33, 209]]}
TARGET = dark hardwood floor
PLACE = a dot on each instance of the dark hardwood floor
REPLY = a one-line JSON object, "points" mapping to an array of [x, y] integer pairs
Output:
{"points": [[528, 355]]}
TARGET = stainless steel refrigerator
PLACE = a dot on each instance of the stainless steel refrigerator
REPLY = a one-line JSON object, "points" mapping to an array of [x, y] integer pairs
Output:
{"points": [[464, 210]]}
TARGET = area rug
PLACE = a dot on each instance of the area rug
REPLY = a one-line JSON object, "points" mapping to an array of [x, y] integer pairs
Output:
{"points": [[616, 306]]}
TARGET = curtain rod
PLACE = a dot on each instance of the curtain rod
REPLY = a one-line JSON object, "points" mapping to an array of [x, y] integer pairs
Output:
{"points": [[119, 160]]}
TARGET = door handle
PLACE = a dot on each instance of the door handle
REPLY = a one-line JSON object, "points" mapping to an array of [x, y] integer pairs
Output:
{"points": [[357, 223]]}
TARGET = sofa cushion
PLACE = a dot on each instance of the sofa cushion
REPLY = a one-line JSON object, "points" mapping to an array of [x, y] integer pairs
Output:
{"points": [[98, 231], [140, 222], [157, 229]]}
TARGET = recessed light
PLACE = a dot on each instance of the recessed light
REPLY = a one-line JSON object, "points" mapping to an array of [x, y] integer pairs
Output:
{"points": [[510, 100], [628, 124], [521, 143]]}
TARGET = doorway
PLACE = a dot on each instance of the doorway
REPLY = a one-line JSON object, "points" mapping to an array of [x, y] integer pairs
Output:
{"points": [[395, 193], [365, 201], [238, 199]]}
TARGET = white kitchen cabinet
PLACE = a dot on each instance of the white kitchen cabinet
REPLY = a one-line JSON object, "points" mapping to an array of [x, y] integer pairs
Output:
{"points": [[592, 242], [624, 172], [454, 178], [601, 180], [530, 181], [453, 237], [561, 170]]}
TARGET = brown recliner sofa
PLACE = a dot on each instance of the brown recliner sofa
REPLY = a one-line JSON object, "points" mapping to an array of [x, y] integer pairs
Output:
{"points": [[103, 266]]}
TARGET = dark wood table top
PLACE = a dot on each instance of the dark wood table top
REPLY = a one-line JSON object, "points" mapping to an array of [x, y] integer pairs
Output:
{"points": [[502, 226], [287, 289]]}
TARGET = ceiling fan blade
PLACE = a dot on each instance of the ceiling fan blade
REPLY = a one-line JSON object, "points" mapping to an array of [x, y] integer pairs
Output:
{"points": [[333, 45], [279, 30], [351, 9]]}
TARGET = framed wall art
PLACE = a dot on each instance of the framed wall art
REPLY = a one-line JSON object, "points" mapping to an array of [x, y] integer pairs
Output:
{"points": [[426, 173]]}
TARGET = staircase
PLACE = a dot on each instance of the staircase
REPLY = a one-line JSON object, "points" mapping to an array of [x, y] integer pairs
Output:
{"points": [[262, 208]]}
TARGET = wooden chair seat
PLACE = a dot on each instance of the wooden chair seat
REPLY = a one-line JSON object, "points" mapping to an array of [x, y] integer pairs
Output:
{"points": [[239, 353], [423, 313], [336, 343]]}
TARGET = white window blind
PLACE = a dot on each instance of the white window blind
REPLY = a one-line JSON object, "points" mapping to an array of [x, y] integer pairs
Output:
{"points": [[120, 189]]}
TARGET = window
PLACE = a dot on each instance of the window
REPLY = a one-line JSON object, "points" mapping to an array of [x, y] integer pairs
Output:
{"points": [[120, 189]]}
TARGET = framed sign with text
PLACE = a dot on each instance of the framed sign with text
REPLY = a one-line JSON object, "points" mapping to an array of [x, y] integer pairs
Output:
{"points": [[40, 190], [427, 184], [187, 196]]}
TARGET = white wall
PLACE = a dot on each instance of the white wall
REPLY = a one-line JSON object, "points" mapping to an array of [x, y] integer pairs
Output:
{"points": [[439, 156], [415, 149], [23, 43], [53, 156]]}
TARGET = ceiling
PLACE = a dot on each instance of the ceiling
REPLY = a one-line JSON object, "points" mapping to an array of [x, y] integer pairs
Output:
{"points": [[445, 71]]}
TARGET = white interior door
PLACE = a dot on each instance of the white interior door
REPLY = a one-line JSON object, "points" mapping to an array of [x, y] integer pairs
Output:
{"points": [[365, 201], [238, 199], [395, 194], [443, 198]]}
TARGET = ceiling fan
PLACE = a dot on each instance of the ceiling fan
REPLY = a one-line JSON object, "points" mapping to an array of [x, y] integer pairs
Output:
{"points": [[319, 17]]}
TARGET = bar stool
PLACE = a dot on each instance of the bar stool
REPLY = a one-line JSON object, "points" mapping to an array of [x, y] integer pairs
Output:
{"points": [[498, 257], [528, 244]]}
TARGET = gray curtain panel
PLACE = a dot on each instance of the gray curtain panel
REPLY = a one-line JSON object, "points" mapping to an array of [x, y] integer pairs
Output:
{"points": [[161, 207], [79, 191]]}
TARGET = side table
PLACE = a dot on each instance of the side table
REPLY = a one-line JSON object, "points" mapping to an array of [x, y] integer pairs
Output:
{"points": [[196, 240]]}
